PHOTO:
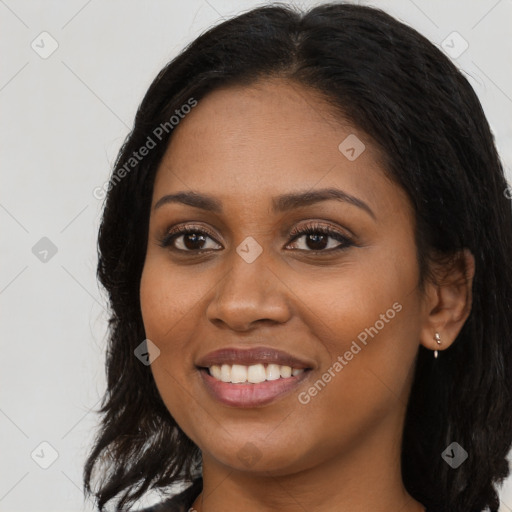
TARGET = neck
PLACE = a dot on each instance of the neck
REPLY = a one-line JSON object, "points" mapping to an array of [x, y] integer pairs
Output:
{"points": [[366, 477]]}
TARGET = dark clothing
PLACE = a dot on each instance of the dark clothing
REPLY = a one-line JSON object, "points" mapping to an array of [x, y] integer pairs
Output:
{"points": [[183, 501]]}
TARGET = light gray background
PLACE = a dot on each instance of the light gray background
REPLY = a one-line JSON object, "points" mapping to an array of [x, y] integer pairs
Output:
{"points": [[62, 121]]}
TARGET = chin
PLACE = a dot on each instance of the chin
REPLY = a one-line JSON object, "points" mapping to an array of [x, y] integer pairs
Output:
{"points": [[245, 455]]}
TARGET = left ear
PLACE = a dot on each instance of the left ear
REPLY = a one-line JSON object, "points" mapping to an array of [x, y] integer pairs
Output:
{"points": [[448, 301]]}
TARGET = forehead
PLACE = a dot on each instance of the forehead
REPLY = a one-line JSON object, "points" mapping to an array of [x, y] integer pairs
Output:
{"points": [[270, 138]]}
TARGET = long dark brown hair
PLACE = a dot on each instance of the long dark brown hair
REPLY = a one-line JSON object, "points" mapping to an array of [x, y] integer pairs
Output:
{"points": [[416, 106]]}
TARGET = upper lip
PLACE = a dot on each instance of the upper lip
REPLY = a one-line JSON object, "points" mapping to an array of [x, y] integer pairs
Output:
{"points": [[251, 356]]}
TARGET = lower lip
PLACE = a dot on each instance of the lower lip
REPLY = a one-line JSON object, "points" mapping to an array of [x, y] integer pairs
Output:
{"points": [[251, 395]]}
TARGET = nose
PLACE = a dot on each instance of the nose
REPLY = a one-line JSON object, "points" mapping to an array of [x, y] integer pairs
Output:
{"points": [[248, 295]]}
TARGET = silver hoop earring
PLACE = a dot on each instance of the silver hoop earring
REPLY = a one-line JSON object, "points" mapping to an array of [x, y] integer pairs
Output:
{"points": [[437, 337]]}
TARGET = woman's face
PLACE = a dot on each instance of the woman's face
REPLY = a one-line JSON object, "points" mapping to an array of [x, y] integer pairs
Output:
{"points": [[251, 294]]}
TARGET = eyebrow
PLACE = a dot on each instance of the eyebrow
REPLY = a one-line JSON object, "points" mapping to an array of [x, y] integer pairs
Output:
{"points": [[280, 204]]}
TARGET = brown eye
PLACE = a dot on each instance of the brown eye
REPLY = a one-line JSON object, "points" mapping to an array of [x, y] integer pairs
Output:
{"points": [[189, 240], [319, 239]]}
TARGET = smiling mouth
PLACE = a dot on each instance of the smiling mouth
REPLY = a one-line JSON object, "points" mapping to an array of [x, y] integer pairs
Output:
{"points": [[253, 374], [237, 390]]}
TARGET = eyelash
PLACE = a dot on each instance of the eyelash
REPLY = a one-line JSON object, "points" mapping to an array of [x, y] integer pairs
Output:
{"points": [[345, 241], [312, 229]]}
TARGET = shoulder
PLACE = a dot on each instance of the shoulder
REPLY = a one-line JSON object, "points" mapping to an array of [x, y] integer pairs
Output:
{"points": [[181, 502]]}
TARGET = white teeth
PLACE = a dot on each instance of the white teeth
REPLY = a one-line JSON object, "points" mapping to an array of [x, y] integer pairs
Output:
{"points": [[225, 375], [256, 373], [238, 373], [273, 372], [216, 371], [285, 371]]}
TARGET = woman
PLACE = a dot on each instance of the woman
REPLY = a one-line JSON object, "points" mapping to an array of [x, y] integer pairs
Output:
{"points": [[306, 246]]}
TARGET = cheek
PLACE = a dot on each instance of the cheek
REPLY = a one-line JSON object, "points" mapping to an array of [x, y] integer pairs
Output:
{"points": [[168, 301], [362, 294], [367, 314], [167, 306]]}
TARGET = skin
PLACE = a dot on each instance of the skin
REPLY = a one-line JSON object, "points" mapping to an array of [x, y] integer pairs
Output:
{"points": [[243, 146]]}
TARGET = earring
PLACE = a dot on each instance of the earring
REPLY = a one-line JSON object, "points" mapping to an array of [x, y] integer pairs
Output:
{"points": [[437, 337]]}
